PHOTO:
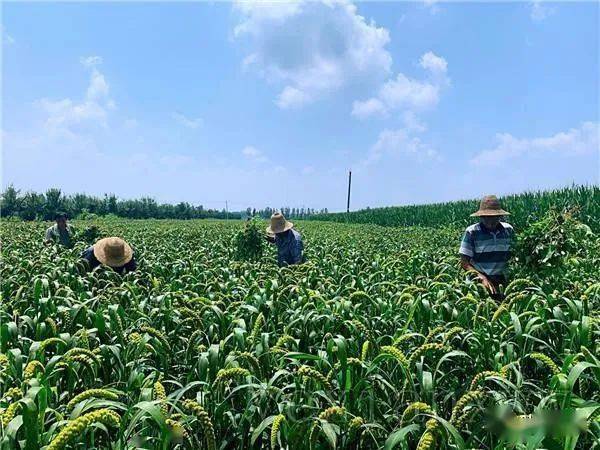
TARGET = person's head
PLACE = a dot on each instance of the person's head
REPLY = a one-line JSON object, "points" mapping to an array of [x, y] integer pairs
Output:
{"points": [[490, 212], [278, 224], [61, 219], [491, 222]]}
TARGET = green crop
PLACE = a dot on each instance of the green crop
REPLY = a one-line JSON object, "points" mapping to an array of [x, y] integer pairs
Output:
{"points": [[378, 341]]}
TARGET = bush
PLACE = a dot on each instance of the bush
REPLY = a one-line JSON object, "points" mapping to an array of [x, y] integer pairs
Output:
{"points": [[90, 234], [249, 242], [86, 215], [547, 243]]}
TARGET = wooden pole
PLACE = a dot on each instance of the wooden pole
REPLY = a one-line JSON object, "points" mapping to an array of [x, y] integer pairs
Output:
{"points": [[349, 185]]}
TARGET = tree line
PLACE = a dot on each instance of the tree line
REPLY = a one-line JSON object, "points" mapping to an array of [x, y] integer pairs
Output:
{"points": [[44, 206]]}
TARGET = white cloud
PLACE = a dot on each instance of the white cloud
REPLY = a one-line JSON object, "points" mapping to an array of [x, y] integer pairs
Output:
{"points": [[310, 47], [6, 38], [98, 88], [291, 97], [576, 141], [435, 64], [412, 122], [67, 116], [403, 93], [540, 11], [254, 154], [400, 142], [406, 93], [432, 5], [188, 122], [90, 61], [368, 108]]}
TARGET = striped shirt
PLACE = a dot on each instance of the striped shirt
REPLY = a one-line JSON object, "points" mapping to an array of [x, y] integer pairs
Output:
{"points": [[489, 250]]}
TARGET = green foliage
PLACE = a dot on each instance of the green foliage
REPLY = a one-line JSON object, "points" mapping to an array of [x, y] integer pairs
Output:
{"points": [[90, 234], [524, 208], [249, 242], [197, 349], [547, 243]]}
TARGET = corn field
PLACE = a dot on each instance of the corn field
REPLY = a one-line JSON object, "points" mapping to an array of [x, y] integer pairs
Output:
{"points": [[379, 341], [524, 208]]}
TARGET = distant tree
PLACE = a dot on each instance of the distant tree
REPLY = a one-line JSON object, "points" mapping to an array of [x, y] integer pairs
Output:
{"points": [[11, 203], [53, 203], [32, 205]]}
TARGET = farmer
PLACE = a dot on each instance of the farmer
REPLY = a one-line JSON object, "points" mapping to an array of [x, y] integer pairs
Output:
{"points": [[113, 252], [288, 241], [61, 232], [486, 246]]}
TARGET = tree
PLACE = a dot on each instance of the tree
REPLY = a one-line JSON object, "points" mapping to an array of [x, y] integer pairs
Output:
{"points": [[11, 203], [53, 203], [32, 205]]}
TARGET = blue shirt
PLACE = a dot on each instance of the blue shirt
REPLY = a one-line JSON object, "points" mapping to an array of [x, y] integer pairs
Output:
{"points": [[489, 250], [289, 247]]}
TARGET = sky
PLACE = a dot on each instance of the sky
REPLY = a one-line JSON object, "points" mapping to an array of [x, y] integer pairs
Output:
{"points": [[270, 104]]}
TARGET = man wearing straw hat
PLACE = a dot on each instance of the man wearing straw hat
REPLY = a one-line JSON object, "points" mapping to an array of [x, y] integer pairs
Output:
{"points": [[288, 241], [486, 246], [113, 252]]}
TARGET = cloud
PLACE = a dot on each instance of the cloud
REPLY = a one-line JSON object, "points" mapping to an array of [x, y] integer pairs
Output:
{"points": [[434, 64], [291, 97], [368, 108], [576, 141], [6, 38], [311, 48], [254, 154], [432, 5], [400, 142], [98, 88], [540, 11], [404, 93], [90, 61], [187, 121], [67, 116]]}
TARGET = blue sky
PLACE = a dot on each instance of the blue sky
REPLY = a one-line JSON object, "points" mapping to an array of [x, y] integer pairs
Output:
{"points": [[271, 104]]}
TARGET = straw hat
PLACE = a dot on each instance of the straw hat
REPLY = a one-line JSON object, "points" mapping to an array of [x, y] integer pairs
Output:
{"points": [[490, 206], [278, 224], [113, 251]]}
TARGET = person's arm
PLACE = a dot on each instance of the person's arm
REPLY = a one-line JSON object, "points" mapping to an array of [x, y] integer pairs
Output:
{"points": [[270, 239], [88, 256], [466, 253], [465, 263], [131, 266], [297, 251], [49, 238]]}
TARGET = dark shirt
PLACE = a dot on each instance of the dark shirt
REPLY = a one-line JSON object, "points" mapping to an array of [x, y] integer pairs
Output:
{"points": [[88, 255], [289, 247]]}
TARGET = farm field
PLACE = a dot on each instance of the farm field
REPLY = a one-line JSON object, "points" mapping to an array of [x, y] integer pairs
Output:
{"points": [[378, 341]]}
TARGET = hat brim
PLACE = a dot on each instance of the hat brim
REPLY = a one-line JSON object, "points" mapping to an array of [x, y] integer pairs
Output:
{"points": [[288, 226], [100, 254], [490, 213]]}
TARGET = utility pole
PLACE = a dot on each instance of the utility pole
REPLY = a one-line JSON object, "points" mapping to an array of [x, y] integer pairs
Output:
{"points": [[226, 210], [349, 185]]}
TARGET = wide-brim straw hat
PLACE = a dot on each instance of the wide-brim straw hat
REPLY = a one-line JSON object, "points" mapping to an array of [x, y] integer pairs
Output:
{"points": [[113, 251], [279, 224], [490, 206]]}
